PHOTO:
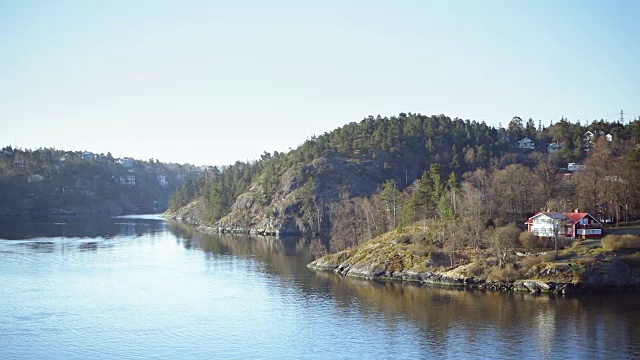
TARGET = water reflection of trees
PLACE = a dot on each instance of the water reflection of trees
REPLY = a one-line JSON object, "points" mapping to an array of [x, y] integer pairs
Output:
{"points": [[545, 326], [284, 256], [78, 227]]}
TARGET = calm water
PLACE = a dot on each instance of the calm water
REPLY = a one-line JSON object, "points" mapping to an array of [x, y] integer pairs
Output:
{"points": [[139, 287]]}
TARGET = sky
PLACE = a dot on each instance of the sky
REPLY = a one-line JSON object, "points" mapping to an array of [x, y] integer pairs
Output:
{"points": [[212, 82]]}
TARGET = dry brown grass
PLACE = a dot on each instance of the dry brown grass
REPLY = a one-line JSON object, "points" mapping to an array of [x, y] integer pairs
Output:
{"points": [[510, 272], [621, 242], [530, 261]]}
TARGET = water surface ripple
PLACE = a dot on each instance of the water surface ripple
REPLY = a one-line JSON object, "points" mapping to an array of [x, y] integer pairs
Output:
{"points": [[143, 288]]}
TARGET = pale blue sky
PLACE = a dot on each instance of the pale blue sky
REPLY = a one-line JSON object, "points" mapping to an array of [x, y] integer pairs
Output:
{"points": [[211, 82]]}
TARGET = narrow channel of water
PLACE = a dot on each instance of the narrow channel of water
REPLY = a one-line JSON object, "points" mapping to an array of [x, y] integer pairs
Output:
{"points": [[140, 287]]}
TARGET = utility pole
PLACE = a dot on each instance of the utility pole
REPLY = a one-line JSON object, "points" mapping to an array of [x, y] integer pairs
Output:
{"points": [[556, 229], [621, 117]]}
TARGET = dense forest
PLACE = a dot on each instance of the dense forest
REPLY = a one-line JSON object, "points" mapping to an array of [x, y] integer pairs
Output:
{"points": [[48, 181], [383, 173]]}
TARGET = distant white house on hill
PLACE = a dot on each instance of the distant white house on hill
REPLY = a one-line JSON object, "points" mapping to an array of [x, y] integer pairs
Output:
{"points": [[526, 143], [576, 167], [162, 180], [588, 136], [128, 180], [127, 162], [88, 156], [555, 146]]}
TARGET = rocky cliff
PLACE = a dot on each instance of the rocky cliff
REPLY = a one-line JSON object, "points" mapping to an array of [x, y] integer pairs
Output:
{"points": [[297, 198]]}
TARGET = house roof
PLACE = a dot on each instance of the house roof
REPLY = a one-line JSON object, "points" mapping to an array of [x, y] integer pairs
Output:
{"points": [[574, 217], [551, 214]]}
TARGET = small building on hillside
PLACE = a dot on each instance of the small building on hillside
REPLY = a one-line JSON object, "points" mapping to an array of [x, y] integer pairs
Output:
{"points": [[576, 167], [572, 225], [6, 152], [128, 180], [88, 156], [609, 137], [162, 180], [526, 144], [554, 147], [588, 136], [126, 162]]}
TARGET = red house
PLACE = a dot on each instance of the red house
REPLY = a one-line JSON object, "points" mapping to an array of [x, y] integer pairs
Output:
{"points": [[583, 225], [571, 225]]}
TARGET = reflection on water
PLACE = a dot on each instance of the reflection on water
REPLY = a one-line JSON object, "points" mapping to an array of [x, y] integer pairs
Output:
{"points": [[74, 227], [552, 326], [141, 287]]}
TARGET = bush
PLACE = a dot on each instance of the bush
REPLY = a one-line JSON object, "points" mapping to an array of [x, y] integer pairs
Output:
{"points": [[476, 269], [624, 242], [507, 273], [528, 240], [530, 261]]}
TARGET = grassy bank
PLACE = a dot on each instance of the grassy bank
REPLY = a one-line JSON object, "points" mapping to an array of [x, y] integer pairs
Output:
{"points": [[414, 255]]}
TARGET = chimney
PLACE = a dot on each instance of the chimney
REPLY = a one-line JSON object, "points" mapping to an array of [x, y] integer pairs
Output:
{"points": [[576, 210]]}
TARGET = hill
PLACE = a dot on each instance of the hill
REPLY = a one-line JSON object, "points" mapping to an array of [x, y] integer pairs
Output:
{"points": [[295, 192], [365, 178], [55, 182]]}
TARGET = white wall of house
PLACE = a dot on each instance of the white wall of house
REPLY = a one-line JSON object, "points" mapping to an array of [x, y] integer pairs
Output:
{"points": [[576, 167], [589, 232], [543, 226]]}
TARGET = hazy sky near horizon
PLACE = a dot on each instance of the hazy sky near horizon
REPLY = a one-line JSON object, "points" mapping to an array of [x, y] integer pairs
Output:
{"points": [[212, 82]]}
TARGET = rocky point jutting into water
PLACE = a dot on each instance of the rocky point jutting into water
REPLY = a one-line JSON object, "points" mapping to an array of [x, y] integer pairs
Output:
{"points": [[581, 268]]}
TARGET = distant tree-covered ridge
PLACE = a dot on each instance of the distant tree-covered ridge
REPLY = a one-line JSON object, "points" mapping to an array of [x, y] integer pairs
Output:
{"points": [[382, 173], [48, 181]]}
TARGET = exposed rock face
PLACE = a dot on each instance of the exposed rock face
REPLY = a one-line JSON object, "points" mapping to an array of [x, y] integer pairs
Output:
{"points": [[536, 286], [278, 209], [380, 260]]}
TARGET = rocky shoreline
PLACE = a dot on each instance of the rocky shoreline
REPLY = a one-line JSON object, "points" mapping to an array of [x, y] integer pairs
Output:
{"points": [[228, 230], [446, 279], [610, 276]]}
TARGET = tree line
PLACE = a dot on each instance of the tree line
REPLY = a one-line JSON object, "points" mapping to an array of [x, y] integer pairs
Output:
{"points": [[435, 167]]}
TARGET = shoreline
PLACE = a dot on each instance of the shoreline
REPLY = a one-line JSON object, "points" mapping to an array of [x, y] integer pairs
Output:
{"points": [[441, 279], [341, 264]]}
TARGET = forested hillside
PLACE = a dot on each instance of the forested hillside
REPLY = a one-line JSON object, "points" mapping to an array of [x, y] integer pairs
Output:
{"points": [[57, 182], [365, 178]]}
